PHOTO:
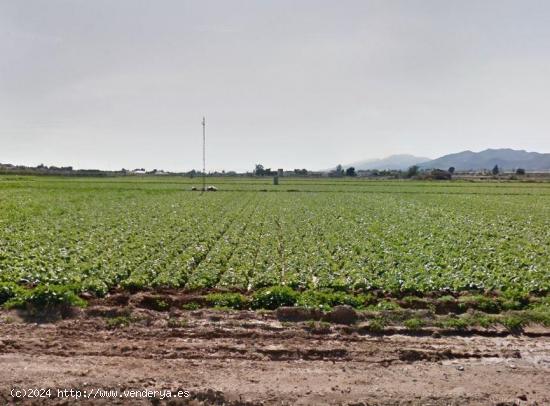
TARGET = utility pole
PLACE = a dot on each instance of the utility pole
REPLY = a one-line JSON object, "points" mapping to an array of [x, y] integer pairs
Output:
{"points": [[204, 154]]}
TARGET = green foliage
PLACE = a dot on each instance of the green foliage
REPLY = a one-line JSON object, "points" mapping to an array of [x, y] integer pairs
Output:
{"points": [[95, 286], [480, 302], [538, 316], [541, 304], [412, 171], [274, 297], [191, 306], [384, 305], [228, 300], [119, 322], [9, 291], [326, 299], [514, 300], [177, 323], [351, 171], [456, 323], [377, 325], [446, 299], [414, 324], [135, 283], [44, 297], [512, 323], [162, 305], [481, 320], [415, 302], [157, 303], [101, 235]]}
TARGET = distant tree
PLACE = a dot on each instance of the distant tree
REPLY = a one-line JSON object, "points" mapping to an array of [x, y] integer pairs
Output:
{"points": [[412, 171], [520, 171], [337, 172], [351, 171], [451, 170], [495, 170], [439, 174], [259, 170]]}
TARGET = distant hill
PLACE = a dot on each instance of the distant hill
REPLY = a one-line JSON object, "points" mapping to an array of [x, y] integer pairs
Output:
{"points": [[393, 162], [506, 159]]}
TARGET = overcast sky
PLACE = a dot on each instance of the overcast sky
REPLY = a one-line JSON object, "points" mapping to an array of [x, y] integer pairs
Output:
{"points": [[111, 84]]}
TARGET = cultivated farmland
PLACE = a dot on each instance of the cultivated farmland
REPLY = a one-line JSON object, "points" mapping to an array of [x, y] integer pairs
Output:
{"points": [[97, 235]]}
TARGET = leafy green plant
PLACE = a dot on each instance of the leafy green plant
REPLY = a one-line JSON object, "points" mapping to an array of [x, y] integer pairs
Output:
{"points": [[191, 306], [457, 323], [228, 300], [514, 324], [96, 286], [119, 322], [538, 316], [135, 283], [157, 303], [480, 302], [9, 291], [311, 324], [481, 320], [384, 305], [377, 324], [44, 297], [326, 299], [514, 300], [274, 297], [177, 322], [446, 299], [413, 324]]}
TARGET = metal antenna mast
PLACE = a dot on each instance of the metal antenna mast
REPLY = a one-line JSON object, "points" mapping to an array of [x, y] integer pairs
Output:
{"points": [[204, 154]]}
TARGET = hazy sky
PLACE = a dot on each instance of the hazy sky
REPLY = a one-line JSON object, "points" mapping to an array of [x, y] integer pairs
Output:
{"points": [[124, 83]]}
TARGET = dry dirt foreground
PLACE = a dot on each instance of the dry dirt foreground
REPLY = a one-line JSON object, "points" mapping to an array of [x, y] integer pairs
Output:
{"points": [[247, 358]]}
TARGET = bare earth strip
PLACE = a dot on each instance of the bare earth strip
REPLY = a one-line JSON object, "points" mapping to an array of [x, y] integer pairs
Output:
{"points": [[241, 358]]}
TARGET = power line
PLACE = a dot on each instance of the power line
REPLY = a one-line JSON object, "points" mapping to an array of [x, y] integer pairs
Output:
{"points": [[204, 154]]}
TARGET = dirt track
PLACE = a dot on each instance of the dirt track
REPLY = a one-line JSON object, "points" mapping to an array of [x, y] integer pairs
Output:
{"points": [[250, 358]]}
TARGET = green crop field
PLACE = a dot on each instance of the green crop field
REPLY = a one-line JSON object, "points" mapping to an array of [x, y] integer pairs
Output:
{"points": [[353, 236]]}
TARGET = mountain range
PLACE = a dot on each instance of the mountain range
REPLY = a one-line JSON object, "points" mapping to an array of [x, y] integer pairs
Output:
{"points": [[393, 162], [505, 158]]}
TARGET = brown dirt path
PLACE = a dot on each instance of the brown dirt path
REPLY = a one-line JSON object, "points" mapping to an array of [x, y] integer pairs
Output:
{"points": [[251, 358]]}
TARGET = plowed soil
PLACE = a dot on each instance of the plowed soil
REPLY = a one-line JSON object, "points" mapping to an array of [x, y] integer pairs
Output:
{"points": [[251, 358]]}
